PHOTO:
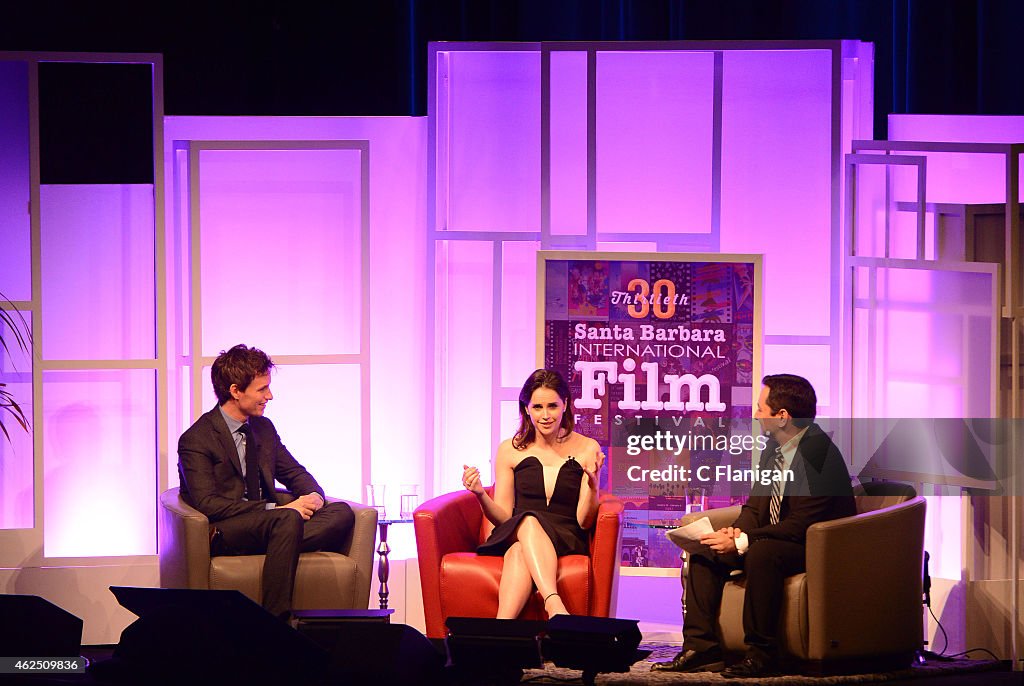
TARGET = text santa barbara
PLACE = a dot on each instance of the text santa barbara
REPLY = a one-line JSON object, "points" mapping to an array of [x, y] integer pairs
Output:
{"points": [[647, 341]]}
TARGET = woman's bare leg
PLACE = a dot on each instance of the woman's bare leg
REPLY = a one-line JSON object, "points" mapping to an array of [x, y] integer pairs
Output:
{"points": [[515, 585], [542, 562]]}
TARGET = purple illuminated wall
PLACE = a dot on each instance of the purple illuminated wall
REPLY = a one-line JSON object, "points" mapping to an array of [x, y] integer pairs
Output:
{"points": [[962, 177], [97, 261], [98, 445], [16, 465], [15, 262], [17, 502], [280, 245], [655, 134]]}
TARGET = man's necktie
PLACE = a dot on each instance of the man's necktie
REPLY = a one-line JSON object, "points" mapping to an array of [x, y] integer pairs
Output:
{"points": [[252, 469], [776, 505]]}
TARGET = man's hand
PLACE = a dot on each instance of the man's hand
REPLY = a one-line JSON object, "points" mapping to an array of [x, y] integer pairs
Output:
{"points": [[722, 541], [307, 504]]}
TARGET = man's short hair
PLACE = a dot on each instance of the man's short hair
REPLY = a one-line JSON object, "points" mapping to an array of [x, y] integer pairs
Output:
{"points": [[793, 393], [238, 366]]}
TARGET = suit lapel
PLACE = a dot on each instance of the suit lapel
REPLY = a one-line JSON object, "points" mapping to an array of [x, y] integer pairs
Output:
{"points": [[227, 443], [798, 486], [809, 454]]}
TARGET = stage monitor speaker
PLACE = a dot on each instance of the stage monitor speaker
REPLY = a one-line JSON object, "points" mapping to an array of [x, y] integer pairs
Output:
{"points": [[593, 644], [362, 652], [185, 635], [478, 644], [35, 627]]}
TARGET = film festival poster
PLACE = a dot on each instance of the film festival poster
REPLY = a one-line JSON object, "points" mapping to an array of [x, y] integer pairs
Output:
{"points": [[661, 352]]}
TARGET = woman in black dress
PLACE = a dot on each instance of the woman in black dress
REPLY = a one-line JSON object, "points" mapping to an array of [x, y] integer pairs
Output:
{"points": [[545, 495]]}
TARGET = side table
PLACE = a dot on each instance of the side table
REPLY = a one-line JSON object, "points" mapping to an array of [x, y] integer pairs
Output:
{"points": [[662, 526], [383, 566]]}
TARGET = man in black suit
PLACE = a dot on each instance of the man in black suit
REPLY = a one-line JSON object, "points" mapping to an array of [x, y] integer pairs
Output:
{"points": [[767, 540], [228, 462]]}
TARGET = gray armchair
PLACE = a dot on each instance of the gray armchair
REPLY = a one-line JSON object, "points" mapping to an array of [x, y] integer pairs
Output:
{"points": [[858, 605], [323, 580]]}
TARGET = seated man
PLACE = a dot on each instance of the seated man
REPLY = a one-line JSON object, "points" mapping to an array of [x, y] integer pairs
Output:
{"points": [[767, 540], [228, 462]]}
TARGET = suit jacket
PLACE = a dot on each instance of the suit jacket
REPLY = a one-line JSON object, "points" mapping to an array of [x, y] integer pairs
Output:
{"points": [[820, 491], [211, 474]]}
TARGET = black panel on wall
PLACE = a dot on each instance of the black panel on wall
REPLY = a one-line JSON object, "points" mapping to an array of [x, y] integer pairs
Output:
{"points": [[95, 123]]}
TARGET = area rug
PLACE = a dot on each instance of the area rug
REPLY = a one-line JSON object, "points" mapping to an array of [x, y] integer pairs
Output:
{"points": [[640, 673]]}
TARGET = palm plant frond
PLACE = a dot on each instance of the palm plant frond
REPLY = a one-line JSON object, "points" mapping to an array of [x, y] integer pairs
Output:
{"points": [[14, 332], [9, 405]]}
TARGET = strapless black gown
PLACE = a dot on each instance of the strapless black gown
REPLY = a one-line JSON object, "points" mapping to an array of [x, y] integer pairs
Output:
{"points": [[558, 518]]}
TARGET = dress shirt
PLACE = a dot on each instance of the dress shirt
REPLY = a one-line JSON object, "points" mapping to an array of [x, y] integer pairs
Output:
{"points": [[233, 426]]}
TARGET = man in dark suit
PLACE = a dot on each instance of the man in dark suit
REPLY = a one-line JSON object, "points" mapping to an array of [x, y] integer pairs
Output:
{"points": [[767, 540], [228, 463]]}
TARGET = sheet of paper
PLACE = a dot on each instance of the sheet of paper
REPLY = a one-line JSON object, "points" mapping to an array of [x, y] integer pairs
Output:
{"points": [[688, 537]]}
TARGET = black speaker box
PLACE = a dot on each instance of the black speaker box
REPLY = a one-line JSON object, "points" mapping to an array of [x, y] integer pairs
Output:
{"points": [[379, 653], [483, 644], [593, 644], [185, 636], [34, 627]]}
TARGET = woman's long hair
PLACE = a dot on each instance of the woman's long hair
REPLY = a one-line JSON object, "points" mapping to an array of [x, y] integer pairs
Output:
{"points": [[542, 378]]}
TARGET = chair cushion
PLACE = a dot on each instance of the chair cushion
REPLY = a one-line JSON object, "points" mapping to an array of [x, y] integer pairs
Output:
{"points": [[481, 573], [323, 580]]}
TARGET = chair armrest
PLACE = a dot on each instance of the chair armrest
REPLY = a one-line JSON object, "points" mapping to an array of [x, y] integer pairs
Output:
{"points": [[720, 516], [184, 543], [861, 600], [604, 556], [449, 523], [361, 543]]}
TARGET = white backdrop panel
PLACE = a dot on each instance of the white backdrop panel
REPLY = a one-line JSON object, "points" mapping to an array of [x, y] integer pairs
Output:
{"points": [[280, 250], [777, 179], [98, 272], [15, 257], [99, 471], [654, 141], [495, 141]]}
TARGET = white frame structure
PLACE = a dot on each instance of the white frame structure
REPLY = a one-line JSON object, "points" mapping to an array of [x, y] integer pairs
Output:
{"points": [[23, 547], [194, 357], [1008, 299], [438, 196]]}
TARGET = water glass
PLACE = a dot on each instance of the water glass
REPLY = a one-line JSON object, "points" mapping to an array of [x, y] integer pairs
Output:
{"points": [[410, 500], [375, 499]]}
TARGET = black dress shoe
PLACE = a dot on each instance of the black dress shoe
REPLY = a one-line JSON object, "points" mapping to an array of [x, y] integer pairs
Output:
{"points": [[692, 661], [752, 666]]}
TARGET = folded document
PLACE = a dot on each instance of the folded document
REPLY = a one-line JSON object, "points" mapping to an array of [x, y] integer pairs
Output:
{"points": [[688, 537]]}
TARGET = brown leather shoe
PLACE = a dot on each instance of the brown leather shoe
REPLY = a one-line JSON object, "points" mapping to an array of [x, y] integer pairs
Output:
{"points": [[692, 661]]}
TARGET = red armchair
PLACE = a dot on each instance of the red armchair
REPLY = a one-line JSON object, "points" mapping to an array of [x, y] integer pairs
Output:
{"points": [[456, 582]]}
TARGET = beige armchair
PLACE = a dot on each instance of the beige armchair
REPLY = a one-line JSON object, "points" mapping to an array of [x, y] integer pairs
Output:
{"points": [[858, 605], [323, 580]]}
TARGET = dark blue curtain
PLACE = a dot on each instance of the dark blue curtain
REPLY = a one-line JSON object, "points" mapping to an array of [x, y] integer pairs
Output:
{"points": [[363, 57]]}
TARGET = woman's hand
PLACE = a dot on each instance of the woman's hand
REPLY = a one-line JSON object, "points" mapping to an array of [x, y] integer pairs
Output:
{"points": [[592, 466], [471, 480]]}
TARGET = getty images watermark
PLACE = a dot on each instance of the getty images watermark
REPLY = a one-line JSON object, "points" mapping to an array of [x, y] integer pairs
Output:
{"points": [[667, 441], [725, 455]]}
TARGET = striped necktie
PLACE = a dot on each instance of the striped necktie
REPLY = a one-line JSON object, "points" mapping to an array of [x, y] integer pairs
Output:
{"points": [[776, 505]]}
